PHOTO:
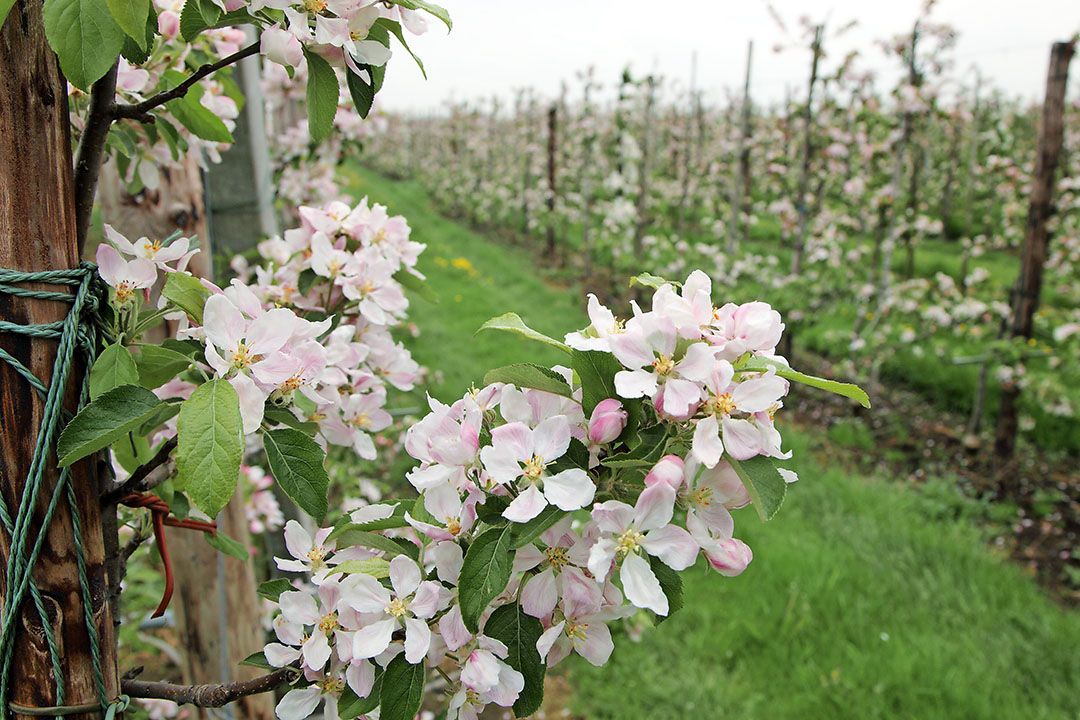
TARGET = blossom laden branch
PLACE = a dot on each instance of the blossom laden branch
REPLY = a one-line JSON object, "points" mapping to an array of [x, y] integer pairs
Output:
{"points": [[207, 696], [140, 111]]}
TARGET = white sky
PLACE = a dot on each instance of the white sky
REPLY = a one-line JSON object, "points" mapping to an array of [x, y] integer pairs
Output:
{"points": [[500, 45]]}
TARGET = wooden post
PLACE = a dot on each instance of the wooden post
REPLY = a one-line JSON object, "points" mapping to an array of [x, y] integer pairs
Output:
{"points": [[973, 157], [742, 177], [645, 168], [552, 152], [38, 232], [916, 151], [1025, 299], [801, 202]]}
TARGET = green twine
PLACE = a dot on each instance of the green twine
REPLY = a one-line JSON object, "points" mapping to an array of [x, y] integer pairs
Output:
{"points": [[78, 330]]}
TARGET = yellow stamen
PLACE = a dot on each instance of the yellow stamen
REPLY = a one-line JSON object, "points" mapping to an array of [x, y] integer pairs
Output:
{"points": [[576, 630], [663, 365], [397, 608], [329, 623], [317, 556], [557, 557], [534, 468], [629, 542]]}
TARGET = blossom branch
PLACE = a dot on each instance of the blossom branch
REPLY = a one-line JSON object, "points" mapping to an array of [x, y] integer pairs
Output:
{"points": [[206, 696], [140, 480], [91, 152], [139, 111]]}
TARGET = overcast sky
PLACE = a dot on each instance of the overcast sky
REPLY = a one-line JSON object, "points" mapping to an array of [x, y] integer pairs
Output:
{"points": [[499, 45]]}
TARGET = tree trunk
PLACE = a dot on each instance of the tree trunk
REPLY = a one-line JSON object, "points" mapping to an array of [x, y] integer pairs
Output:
{"points": [[218, 615], [742, 178], [38, 232], [552, 152], [801, 202], [1028, 286]]}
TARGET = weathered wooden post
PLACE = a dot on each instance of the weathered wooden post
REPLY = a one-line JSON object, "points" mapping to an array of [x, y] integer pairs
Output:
{"points": [[37, 233], [801, 202], [742, 178], [552, 172], [1025, 298]]}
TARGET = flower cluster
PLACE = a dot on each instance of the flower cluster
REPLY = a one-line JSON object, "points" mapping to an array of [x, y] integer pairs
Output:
{"points": [[565, 498]]}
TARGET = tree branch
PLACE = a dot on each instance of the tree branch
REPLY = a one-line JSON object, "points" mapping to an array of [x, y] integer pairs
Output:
{"points": [[138, 111], [91, 152], [206, 696], [138, 480]]}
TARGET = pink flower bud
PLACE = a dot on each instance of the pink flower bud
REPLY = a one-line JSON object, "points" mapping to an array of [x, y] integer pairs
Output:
{"points": [[668, 470], [607, 421], [168, 24], [729, 556]]}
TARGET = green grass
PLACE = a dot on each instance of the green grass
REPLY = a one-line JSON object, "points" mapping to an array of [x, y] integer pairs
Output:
{"points": [[475, 280], [865, 600]]}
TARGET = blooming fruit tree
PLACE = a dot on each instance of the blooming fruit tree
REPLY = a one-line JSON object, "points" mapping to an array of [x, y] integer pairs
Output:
{"points": [[551, 503]]}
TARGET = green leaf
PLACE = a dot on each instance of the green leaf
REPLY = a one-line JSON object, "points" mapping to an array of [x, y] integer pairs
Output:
{"points": [[512, 322], [272, 589], [670, 583], [114, 367], [132, 451], [196, 16], [322, 96], [363, 95], [158, 365], [377, 568], [137, 52], [104, 421], [596, 373], [187, 293], [417, 285], [350, 706], [395, 27], [528, 532], [296, 462], [283, 416], [258, 660], [648, 447], [226, 545], [193, 115], [528, 375], [519, 632], [397, 520], [490, 511], [485, 573], [84, 36], [130, 15], [390, 546], [5, 8], [652, 281], [210, 445], [402, 690], [764, 483], [760, 364]]}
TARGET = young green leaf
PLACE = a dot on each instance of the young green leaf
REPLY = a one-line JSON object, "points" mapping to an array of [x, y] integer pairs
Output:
{"points": [[377, 568], [512, 322], [350, 537], [104, 421], [519, 632], [84, 36], [402, 690], [272, 589], [187, 293], [763, 481], [258, 660], [395, 27], [210, 445], [436, 10], [485, 572], [596, 373], [322, 96], [114, 367], [527, 532], [158, 365], [193, 115], [670, 583], [130, 15], [296, 462], [652, 281], [847, 390], [196, 16], [410, 282], [528, 375], [226, 545], [351, 707]]}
